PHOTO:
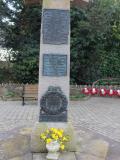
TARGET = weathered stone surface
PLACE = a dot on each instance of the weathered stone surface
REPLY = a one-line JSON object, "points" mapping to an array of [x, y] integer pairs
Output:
{"points": [[88, 157], [37, 145], [94, 149], [83, 138], [25, 157], [39, 156], [18, 145], [97, 148], [26, 131], [67, 156], [63, 156], [2, 154], [56, 4]]}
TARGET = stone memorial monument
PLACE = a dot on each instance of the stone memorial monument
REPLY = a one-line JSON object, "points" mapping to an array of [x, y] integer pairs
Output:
{"points": [[54, 61], [54, 72]]}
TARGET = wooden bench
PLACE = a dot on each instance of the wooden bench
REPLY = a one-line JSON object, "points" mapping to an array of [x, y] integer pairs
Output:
{"points": [[29, 92], [1, 92]]}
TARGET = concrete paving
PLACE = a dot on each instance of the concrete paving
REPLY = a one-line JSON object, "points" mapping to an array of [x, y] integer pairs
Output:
{"points": [[101, 115], [93, 118]]}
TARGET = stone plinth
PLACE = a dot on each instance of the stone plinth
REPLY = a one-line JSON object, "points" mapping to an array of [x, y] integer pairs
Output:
{"points": [[37, 145]]}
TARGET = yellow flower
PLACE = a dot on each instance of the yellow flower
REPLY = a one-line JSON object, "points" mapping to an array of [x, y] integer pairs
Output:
{"points": [[55, 131], [65, 139], [62, 147], [52, 129], [56, 138], [61, 130], [47, 131], [53, 136], [60, 134], [48, 140], [61, 143], [43, 136]]}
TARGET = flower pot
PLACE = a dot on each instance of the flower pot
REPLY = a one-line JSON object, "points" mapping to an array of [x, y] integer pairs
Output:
{"points": [[53, 148]]}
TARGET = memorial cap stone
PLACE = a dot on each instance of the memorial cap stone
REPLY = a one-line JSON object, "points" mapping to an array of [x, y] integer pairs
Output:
{"points": [[56, 4]]}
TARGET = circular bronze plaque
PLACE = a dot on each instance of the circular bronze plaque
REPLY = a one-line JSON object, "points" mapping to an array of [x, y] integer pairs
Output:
{"points": [[54, 102]]}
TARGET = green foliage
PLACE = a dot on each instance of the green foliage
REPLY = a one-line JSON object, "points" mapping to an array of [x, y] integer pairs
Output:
{"points": [[84, 56], [78, 97], [113, 82], [95, 40], [5, 74], [22, 36]]}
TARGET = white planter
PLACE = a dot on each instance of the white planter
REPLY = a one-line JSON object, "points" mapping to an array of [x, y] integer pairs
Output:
{"points": [[53, 149]]}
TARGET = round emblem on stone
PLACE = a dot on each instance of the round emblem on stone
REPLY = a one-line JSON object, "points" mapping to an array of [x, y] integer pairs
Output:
{"points": [[54, 101]]}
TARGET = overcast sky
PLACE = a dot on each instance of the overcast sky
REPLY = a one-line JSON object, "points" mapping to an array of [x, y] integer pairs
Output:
{"points": [[3, 53]]}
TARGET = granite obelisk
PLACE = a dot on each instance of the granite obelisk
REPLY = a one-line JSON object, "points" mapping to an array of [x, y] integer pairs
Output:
{"points": [[54, 69]]}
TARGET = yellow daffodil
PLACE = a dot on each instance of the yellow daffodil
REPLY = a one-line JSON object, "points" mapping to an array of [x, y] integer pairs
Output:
{"points": [[64, 139], [53, 136], [61, 143], [51, 129], [54, 130], [61, 130], [56, 138], [62, 147], [43, 136], [59, 134], [48, 140], [47, 131]]}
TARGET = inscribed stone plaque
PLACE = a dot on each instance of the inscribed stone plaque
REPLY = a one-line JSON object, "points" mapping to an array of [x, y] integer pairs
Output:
{"points": [[54, 65], [53, 105], [56, 26]]}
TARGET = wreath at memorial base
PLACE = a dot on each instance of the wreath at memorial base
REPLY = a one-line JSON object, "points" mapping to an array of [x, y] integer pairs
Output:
{"points": [[54, 101], [101, 92]]}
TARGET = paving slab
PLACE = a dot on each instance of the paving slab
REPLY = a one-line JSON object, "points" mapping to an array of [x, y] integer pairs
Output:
{"points": [[88, 157], [24, 157], [97, 147], [92, 119], [18, 145], [63, 156]]}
